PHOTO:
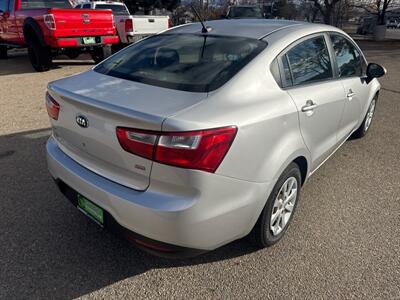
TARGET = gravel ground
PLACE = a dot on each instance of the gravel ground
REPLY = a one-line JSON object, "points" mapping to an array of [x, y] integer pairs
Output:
{"points": [[344, 241]]}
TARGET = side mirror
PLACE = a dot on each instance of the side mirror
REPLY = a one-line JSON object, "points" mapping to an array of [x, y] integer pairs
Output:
{"points": [[375, 71]]}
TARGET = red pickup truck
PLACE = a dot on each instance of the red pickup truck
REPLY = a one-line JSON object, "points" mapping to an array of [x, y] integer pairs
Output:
{"points": [[53, 27]]}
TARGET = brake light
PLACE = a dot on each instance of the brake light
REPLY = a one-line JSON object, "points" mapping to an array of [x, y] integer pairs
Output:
{"points": [[52, 106], [138, 142], [49, 21], [169, 23], [128, 25], [201, 149]]}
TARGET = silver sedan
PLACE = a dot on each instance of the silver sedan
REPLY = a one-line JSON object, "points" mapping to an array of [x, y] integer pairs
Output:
{"points": [[197, 136]]}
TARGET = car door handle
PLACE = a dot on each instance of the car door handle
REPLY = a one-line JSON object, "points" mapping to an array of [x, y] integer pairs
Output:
{"points": [[310, 105], [350, 94]]}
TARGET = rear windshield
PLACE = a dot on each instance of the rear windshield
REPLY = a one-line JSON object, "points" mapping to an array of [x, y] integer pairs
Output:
{"points": [[25, 4], [187, 62], [117, 10]]}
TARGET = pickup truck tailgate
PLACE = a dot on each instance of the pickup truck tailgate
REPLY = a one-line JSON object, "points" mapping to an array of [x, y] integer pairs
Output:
{"points": [[149, 24], [82, 22]]}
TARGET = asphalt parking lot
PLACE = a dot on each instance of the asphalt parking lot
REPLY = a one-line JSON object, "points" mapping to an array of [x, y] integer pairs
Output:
{"points": [[344, 241]]}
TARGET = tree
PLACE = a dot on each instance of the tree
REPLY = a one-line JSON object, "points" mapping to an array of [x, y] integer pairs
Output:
{"points": [[377, 7], [286, 9], [308, 11], [327, 9]]}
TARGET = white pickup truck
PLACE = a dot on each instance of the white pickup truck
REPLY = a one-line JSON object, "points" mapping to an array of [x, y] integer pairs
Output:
{"points": [[130, 28]]}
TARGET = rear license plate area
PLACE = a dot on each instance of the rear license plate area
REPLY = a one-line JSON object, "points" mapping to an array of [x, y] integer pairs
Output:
{"points": [[91, 210], [88, 40]]}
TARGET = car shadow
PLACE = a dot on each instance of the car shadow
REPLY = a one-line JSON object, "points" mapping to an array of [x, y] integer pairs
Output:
{"points": [[48, 248], [18, 62]]}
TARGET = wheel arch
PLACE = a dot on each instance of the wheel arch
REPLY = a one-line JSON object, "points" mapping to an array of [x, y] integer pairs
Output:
{"points": [[301, 161], [31, 30]]}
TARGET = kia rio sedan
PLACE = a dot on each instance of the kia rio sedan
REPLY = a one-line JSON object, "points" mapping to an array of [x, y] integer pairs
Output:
{"points": [[196, 137]]}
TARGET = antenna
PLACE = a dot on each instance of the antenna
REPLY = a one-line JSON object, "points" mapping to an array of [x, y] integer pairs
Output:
{"points": [[204, 29]]}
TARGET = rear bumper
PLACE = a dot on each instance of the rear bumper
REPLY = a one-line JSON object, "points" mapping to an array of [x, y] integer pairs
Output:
{"points": [[218, 210], [149, 245], [132, 38], [78, 42]]}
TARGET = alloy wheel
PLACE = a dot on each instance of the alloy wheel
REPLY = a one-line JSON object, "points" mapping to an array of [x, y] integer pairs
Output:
{"points": [[283, 206], [370, 114]]}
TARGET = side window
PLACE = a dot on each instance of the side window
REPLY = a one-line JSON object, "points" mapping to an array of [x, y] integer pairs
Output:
{"points": [[286, 71], [86, 6], [348, 58], [275, 72], [309, 61]]}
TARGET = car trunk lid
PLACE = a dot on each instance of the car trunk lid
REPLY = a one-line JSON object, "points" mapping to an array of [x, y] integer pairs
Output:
{"points": [[107, 103]]}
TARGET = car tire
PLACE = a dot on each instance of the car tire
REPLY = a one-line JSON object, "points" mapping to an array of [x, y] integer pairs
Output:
{"points": [[39, 56], [264, 233], [100, 53], [366, 123], [3, 52]]}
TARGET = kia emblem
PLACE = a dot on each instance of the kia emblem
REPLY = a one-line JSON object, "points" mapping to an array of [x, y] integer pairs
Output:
{"points": [[82, 121]]}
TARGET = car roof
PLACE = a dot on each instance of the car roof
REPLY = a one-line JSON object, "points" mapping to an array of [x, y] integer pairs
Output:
{"points": [[251, 28]]}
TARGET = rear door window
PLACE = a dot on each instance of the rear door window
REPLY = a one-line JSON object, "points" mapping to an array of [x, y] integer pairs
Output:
{"points": [[309, 61]]}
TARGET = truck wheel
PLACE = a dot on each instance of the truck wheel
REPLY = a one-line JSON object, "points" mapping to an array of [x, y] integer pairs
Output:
{"points": [[39, 56], [3, 52], [100, 53]]}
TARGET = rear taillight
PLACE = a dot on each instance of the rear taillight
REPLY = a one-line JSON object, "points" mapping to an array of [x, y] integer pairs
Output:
{"points": [[138, 142], [128, 25], [49, 21], [169, 23], [53, 108], [201, 150]]}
